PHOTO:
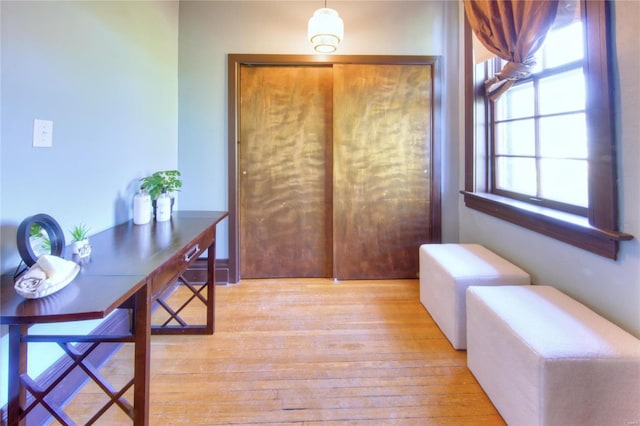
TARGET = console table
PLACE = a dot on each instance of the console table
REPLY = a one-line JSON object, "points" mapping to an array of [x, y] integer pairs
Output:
{"points": [[131, 267]]}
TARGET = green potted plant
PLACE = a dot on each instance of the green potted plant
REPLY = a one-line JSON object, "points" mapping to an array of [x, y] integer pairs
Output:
{"points": [[167, 179], [80, 240]]}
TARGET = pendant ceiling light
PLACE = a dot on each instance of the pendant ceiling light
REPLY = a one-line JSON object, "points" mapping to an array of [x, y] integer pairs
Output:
{"points": [[326, 30]]}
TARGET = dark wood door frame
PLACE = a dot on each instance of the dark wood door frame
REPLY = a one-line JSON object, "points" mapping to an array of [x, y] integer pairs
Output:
{"points": [[235, 61]]}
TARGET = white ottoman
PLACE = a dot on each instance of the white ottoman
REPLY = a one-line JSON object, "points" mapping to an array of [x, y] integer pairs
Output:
{"points": [[545, 359], [446, 270]]}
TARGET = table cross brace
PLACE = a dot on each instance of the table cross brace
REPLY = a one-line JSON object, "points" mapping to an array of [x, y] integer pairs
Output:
{"points": [[174, 315], [114, 395], [79, 359]]}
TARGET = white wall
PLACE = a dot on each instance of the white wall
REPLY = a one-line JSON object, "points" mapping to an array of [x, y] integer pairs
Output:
{"points": [[611, 288], [209, 31], [106, 74]]}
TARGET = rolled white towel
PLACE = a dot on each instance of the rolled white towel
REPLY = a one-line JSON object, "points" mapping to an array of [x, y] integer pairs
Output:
{"points": [[56, 268], [31, 280]]}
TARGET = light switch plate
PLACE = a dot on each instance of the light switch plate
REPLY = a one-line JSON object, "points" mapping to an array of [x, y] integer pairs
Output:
{"points": [[42, 133]]}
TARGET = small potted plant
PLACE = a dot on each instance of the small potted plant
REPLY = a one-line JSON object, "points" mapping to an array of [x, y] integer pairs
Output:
{"points": [[80, 244], [167, 180]]}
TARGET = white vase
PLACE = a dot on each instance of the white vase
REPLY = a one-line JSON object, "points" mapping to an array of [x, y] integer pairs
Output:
{"points": [[141, 208], [163, 208]]}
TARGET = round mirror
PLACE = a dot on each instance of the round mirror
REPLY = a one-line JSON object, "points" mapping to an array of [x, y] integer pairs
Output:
{"points": [[37, 235]]}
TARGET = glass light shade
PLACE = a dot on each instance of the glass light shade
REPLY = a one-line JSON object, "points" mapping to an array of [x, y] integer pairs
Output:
{"points": [[326, 30]]}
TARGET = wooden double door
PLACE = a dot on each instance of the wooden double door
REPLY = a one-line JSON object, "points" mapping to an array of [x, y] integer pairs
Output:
{"points": [[335, 169]]}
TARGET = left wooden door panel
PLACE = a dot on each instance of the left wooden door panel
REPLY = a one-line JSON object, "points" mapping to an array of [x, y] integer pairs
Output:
{"points": [[285, 171]]}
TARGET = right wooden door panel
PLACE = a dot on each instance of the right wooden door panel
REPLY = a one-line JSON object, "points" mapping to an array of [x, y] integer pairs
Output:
{"points": [[381, 169]]}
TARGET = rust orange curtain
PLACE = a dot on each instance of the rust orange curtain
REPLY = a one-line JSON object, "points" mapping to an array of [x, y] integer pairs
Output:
{"points": [[513, 30]]}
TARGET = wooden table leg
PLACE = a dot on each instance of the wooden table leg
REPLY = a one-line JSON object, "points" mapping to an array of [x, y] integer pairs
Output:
{"points": [[211, 290], [17, 366], [142, 331]]}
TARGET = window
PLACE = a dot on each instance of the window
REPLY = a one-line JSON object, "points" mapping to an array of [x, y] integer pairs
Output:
{"points": [[539, 138], [542, 156]]}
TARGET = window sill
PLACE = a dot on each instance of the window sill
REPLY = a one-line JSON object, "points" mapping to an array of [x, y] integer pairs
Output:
{"points": [[569, 228]]}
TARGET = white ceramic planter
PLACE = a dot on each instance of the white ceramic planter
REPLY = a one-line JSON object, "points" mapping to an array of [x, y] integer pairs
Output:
{"points": [[82, 248]]}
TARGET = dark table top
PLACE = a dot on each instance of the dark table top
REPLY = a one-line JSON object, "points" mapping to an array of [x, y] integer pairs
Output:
{"points": [[122, 258]]}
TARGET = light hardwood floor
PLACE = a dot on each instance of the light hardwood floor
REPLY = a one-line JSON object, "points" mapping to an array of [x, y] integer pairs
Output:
{"points": [[308, 352]]}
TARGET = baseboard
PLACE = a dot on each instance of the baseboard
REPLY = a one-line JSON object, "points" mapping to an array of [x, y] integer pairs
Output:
{"points": [[117, 323], [222, 271], [197, 273]]}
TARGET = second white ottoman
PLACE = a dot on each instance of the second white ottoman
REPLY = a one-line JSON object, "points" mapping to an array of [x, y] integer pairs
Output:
{"points": [[546, 359], [446, 270]]}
